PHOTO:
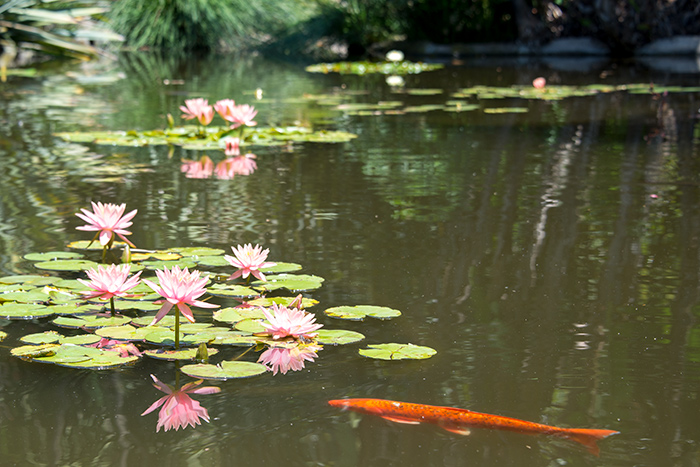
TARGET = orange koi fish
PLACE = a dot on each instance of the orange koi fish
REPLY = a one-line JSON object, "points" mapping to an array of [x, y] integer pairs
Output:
{"points": [[460, 420]]}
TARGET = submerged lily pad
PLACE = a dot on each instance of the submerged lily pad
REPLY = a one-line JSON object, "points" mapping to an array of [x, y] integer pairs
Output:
{"points": [[397, 352], [360, 312], [180, 355], [25, 311], [338, 336], [225, 370], [53, 255]]}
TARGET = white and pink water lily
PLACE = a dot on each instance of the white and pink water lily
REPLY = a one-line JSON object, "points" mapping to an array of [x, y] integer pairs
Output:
{"points": [[198, 108], [109, 281], [249, 260], [180, 288], [107, 219], [289, 322]]}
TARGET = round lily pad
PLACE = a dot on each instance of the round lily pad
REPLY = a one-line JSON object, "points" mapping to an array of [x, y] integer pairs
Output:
{"points": [[162, 336], [25, 311], [191, 328], [172, 355], [30, 279], [280, 267], [212, 261], [107, 360], [66, 265], [33, 351], [250, 325], [90, 322], [48, 337], [292, 282], [234, 315], [286, 301], [198, 251], [167, 321], [155, 255], [26, 296], [359, 312], [80, 339], [76, 356], [232, 290], [125, 333], [506, 110], [88, 245], [70, 284], [397, 352], [225, 370], [157, 264], [337, 336], [141, 305], [52, 255]]}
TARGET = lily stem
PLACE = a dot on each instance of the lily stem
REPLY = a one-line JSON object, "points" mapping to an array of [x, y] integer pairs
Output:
{"points": [[177, 331], [111, 303]]}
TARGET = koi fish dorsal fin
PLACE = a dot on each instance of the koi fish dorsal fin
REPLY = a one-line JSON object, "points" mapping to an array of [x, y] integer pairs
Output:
{"points": [[407, 421], [459, 430]]}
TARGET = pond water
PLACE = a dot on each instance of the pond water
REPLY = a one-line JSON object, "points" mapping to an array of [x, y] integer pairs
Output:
{"points": [[551, 257]]}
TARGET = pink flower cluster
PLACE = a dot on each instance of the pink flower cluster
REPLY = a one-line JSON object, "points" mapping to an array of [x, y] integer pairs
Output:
{"points": [[289, 322], [236, 115]]}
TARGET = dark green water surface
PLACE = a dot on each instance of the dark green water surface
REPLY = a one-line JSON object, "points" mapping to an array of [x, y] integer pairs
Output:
{"points": [[552, 258]]}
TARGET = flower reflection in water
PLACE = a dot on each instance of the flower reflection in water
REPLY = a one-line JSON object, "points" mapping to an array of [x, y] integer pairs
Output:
{"points": [[178, 408], [203, 168], [283, 359], [226, 169]]}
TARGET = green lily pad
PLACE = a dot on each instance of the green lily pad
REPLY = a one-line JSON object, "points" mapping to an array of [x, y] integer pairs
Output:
{"points": [[48, 337], [167, 321], [34, 351], [225, 370], [232, 291], [360, 312], [108, 359], [66, 265], [397, 352], [423, 108], [70, 284], [25, 311], [80, 339], [279, 268], [29, 280], [172, 355], [122, 305], [292, 282], [125, 333], [234, 315], [198, 251], [506, 110], [53, 255], [215, 335], [250, 325], [338, 336], [155, 255], [286, 301], [88, 245], [385, 68], [185, 262], [212, 261], [26, 296], [90, 322], [162, 336], [192, 328]]}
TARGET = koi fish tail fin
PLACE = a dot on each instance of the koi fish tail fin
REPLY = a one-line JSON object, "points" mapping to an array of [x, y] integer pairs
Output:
{"points": [[587, 437]]}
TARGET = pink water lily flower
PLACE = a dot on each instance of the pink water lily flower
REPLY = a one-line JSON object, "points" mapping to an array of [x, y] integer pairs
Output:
{"points": [[107, 219], [124, 348], [289, 322], [178, 409], [284, 359], [110, 281], [224, 107], [180, 288], [249, 260], [199, 109], [241, 115], [539, 83]]}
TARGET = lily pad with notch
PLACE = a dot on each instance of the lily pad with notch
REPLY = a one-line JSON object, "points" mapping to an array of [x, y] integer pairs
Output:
{"points": [[360, 312], [338, 336], [225, 370], [397, 352], [176, 355], [90, 322], [292, 282]]}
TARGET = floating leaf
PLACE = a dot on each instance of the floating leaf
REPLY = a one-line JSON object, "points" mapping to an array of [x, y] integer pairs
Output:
{"points": [[2, 335], [25, 296], [212, 261], [122, 305], [225, 370], [162, 336], [52, 255], [172, 355], [90, 322], [338, 336], [25, 311], [81, 339], [66, 265], [167, 321], [191, 328], [29, 280], [292, 282], [156, 255], [362, 68], [423, 108], [34, 351], [232, 290], [359, 312], [76, 356], [279, 268], [185, 262], [48, 337], [286, 301], [198, 251], [506, 110], [234, 315], [250, 325], [397, 352], [88, 245], [125, 333]]}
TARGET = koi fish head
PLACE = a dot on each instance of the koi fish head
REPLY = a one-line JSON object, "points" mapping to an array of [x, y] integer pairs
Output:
{"points": [[358, 405]]}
